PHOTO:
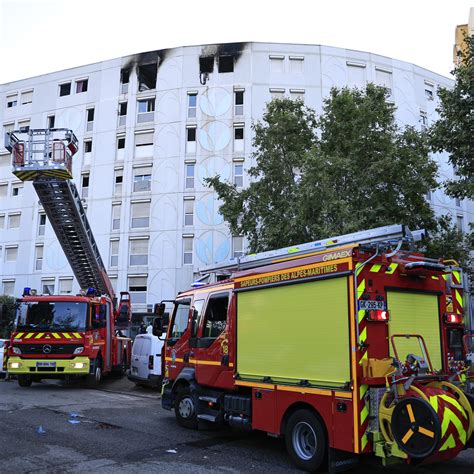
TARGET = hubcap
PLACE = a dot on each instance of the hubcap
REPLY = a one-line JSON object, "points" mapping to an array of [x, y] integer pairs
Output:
{"points": [[186, 408], [304, 440]]}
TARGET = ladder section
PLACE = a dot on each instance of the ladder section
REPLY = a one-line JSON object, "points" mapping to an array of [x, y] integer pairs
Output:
{"points": [[64, 209], [389, 235]]}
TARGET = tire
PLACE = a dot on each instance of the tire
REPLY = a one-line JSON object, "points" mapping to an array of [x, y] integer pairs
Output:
{"points": [[24, 381], [185, 408], [305, 440], [93, 379]]}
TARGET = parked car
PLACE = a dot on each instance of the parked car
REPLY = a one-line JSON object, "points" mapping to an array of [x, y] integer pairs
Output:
{"points": [[145, 366], [3, 357]]}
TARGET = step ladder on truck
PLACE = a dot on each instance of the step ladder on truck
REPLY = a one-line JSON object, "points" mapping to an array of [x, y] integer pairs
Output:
{"points": [[65, 336], [345, 347]]}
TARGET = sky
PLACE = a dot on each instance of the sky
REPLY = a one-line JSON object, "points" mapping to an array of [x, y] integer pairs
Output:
{"points": [[42, 36]]}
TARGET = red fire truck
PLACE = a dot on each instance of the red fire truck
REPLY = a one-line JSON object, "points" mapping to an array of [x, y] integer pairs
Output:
{"points": [[344, 347], [65, 336]]}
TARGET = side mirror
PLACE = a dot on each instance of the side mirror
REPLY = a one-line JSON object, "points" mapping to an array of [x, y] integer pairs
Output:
{"points": [[160, 325], [159, 309]]}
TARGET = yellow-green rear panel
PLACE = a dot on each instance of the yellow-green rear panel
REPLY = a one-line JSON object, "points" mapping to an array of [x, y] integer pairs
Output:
{"points": [[415, 313], [295, 332]]}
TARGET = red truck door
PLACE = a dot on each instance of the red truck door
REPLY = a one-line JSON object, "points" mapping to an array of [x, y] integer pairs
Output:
{"points": [[177, 344], [212, 344]]}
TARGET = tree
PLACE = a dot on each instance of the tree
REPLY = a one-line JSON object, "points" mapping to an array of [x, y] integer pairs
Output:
{"points": [[7, 314], [454, 130], [358, 171], [268, 212]]}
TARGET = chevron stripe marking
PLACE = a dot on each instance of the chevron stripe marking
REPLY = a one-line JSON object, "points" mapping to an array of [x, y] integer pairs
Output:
{"points": [[361, 289], [361, 314], [375, 268], [39, 335], [77, 335], [456, 277], [450, 417], [391, 268], [362, 391], [18, 336], [455, 403], [363, 415], [66, 335], [458, 297], [364, 441], [29, 335], [363, 335], [364, 357], [449, 443], [56, 335]]}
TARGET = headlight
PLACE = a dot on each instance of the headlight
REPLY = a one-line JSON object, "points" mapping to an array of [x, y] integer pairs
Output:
{"points": [[14, 365], [78, 350], [79, 365], [16, 350]]}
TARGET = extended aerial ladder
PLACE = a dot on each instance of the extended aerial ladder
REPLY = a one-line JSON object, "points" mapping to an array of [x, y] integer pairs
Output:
{"points": [[44, 156]]}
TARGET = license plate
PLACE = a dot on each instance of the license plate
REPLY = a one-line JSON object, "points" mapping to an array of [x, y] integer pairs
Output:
{"points": [[45, 364], [369, 305]]}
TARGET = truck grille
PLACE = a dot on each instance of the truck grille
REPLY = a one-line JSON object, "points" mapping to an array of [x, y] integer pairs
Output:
{"points": [[55, 348]]}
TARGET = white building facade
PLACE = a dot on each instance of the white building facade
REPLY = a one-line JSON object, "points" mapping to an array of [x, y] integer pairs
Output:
{"points": [[151, 127]]}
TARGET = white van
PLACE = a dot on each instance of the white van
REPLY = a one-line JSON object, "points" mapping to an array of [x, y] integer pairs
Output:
{"points": [[145, 366], [3, 356]]}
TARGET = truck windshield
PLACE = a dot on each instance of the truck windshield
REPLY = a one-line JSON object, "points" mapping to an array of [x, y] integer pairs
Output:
{"points": [[51, 315]]}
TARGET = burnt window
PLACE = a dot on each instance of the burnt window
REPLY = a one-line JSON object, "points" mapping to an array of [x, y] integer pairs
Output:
{"points": [[147, 77], [226, 63], [206, 64], [125, 76], [64, 89]]}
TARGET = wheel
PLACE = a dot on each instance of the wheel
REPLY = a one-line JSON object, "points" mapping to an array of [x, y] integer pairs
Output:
{"points": [[305, 440], [93, 379], [24, 380], [185, 408]]}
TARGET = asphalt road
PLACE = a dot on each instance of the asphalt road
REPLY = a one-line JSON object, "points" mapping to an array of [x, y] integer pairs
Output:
{"points": [[56, 428]]}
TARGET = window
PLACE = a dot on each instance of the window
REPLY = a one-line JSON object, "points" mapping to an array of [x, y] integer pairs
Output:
{"points": [[8, 287], [297, 94], [142, 179], [356, 74], [189, 175], [89, 119], [429, 90], [188, 212], [114, 252], [87, 146], [137, 286], [144, 144], [196, 316], [238, 138], [11, 253], [140, 215], [457, 202], [116, 209], [26, 97], [64, 89], [277, 64], [238, 174], [226, 64], [122, 112], [3, 189], [423, 119], [14, 220], [296, 64], [237, 246], [41, 224], [17, 189], [277, 93], [85, 186], [187, 250], [65, 286], [192, 101], [81, 85], [2, 221], [51, 121], [146, 110], [384, 78], [118, 181], [120, 142], [124, 80], [190, 139], [215, 318], [206, 64], [138, 252], [47, 286], [24, 125], [7, 127], [39, 257], [12, 101], [147, 77], [460, 223], [239, 102], [180, 318]]}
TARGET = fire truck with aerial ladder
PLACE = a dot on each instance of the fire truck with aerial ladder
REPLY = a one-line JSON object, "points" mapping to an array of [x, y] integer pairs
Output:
{"points": [[65, 336], [344, 346]]}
